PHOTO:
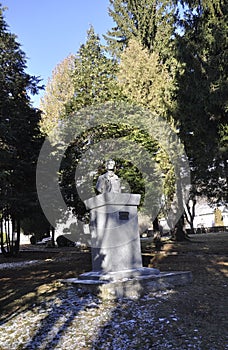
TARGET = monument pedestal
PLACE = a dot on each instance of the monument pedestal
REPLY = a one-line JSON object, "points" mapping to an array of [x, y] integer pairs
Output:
{"points": [[115, 240], [117, 269]]}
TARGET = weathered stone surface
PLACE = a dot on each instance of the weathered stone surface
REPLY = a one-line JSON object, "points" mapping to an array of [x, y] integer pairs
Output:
{"points": [[114, 276], [130, 287], [115, 241], [116, 252], [113, 199]]}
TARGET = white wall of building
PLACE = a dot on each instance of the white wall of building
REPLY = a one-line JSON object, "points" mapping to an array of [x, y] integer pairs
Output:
{"points": [[204, 216]]}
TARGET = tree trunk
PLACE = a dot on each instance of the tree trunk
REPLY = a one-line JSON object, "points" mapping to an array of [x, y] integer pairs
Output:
{"points": [[156, 225], [10, 236], [52, 236], [179, 233], [190, 214], [17, 243]]}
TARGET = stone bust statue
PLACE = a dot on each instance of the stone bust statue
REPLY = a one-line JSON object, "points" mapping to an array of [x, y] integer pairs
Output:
{"points": [[108, 182]]}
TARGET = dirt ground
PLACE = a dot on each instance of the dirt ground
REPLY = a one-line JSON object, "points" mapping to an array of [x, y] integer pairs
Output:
{"points": [[203, 303]]}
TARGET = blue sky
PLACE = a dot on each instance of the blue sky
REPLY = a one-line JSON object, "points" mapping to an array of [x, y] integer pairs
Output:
{"points": [[49, 30]]}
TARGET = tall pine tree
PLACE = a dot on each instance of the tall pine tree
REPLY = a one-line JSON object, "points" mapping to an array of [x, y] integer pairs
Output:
{"points": [[19, 139], [94, 76], [150, 22], [202, 99]]}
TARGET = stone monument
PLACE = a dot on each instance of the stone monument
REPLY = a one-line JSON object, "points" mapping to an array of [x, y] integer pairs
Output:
{"points": [[115, 244], [115, 241]]}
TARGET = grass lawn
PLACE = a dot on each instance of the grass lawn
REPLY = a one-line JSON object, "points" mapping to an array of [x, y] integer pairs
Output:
{"points": [[188, 317]]}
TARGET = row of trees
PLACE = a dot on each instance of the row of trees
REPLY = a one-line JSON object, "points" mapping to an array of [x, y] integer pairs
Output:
{"points": [[168, 56]]}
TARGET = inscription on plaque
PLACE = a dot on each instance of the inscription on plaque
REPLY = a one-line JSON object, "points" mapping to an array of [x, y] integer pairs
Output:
{"points": [[124, 215]]}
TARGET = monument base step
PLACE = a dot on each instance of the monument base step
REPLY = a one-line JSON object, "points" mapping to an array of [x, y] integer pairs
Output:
{"points": [[128, 283], [118, 275]]}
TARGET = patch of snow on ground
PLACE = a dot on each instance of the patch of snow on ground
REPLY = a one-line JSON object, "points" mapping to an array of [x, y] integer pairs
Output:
{"points": [[67, 320], [15, 265]]}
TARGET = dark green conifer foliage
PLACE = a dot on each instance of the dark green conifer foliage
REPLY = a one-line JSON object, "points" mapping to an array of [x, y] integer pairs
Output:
{"points": [[148, 21], [202, 98], [94, 75], [19, 137]]}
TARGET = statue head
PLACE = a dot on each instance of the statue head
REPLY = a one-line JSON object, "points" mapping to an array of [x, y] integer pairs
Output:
{"points": [[108, 182], [110, 164]]}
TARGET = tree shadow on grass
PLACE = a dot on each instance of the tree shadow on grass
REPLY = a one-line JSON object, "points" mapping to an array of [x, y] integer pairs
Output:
{"points": [[22, 288], [185, 317], [57, 322], [165, 318]]}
